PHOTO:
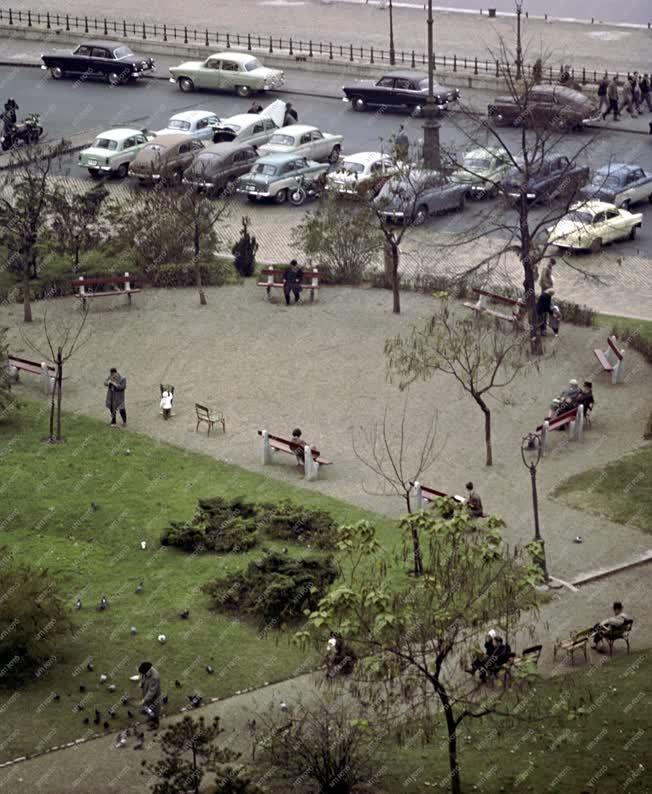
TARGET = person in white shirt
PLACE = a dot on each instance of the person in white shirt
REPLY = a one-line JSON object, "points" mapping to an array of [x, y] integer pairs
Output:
{"points": [[167, 401], [603, 628]]}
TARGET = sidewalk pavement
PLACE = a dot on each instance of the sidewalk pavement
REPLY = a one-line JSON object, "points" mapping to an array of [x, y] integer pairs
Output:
{"points": [[596, 47]]}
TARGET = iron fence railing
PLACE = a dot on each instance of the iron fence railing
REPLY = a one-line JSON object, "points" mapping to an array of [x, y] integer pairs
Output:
{"points": [[299, 48]]}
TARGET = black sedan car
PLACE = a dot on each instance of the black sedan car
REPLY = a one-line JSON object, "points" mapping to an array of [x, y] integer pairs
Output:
{"points": [[106, 60], [397, 90], [218, 166], [550, 179], [546, 106]]}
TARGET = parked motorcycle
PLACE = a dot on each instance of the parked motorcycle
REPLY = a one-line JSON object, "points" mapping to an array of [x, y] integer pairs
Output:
{"points": [[26, 132], [307, 190]]}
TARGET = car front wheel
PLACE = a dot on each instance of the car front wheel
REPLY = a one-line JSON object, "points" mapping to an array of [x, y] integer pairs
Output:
{"points": [[626, 205], [243, 90], [596, 245], [56, 72], [122, 171], [114, 78], [417, 111], [358, 103], [281, 197], [186, 85], [334, 155], [421, 215], [94, 173], [632, 233]]}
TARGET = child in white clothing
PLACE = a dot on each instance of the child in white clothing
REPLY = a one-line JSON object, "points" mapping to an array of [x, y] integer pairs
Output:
{"points": [[167, 401]]}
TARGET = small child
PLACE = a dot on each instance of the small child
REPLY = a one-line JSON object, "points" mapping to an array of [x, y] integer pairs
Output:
{"points": [[167, 400], [555, 318]]}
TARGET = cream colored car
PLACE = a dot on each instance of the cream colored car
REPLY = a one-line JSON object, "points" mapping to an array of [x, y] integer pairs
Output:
{"points": [[591, 224], [227, 71]]}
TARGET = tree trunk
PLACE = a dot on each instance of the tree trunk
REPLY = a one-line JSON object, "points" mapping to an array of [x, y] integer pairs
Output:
{"points": [[387, 262], [52, 399], [396, 294], [59, 388], [27, 304], [202, 296], [529, 286], [487, 427], [456, 783]]}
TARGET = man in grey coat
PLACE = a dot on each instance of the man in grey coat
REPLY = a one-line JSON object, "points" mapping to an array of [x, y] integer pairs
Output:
{"points": [[150, 682], [115, 395]]}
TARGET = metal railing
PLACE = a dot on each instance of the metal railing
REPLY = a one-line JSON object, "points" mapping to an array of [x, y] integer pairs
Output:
{"points": [[298, 48]]}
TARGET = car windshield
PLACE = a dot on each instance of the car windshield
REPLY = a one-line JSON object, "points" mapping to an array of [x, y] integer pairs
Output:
{"points": [[349, 165], [606, 180], [178, 124], [265, 168], [254, 63], [580, 216], [478, 163], [155, 147], [282, 140], [105, 143], [122, 52], [423, 85]]}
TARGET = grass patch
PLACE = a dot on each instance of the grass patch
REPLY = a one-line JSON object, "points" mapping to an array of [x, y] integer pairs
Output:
{"points": [[81, 509], [621, 490], [625, 326], [597, 742]]}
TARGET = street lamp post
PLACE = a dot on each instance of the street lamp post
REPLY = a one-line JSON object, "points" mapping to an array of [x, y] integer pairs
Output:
{"points": [[519, 52], [531, 454], [392, 51], [431, 156]]}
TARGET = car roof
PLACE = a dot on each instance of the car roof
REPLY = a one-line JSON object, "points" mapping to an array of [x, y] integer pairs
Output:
{"points": [[407, 75], [616, 168], [298, 129], [111, 45], [242, 119], [365, 157], [241, 57], [170, 139], [119, 133], [484, 150], [226, 148], [190, 115], [278, 159], [593, 206]]}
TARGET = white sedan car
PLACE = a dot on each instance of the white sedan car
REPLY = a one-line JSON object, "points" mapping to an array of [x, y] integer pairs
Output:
{"points": [[360, 172], [197, 124], [304, 140], [591, 224], [253, 129]]}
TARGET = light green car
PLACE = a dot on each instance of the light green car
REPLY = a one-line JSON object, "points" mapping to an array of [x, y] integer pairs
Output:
{"points": [[482, 171], [227, 71], [112, 152]]}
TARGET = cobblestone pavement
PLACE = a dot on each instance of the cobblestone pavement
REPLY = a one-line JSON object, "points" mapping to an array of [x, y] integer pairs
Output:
{"points": [[594, 46]]}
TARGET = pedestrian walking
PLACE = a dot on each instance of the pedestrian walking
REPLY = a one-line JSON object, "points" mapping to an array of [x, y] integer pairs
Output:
{"points": [[473, 501], [637, 96], [291, 115], [150, 683], [645, 91], [602, 95], [628, 98], [402, 144], [546, 279], [544, 308], [167, 401], [292, 281], [115, 396], [555, 318], [612, 96]]}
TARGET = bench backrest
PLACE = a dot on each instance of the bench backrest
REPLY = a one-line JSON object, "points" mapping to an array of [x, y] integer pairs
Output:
{"points": [[611, 341], [308, 275], [500, 298], [27, 362], [619, 631], [290, 442], [93, 281], [562, 419], [533, 650], [202, 411]]}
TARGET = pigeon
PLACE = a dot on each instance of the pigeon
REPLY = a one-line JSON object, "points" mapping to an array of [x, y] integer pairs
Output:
{"points": [[106, 726], [184, 615], [94, 506], [103, 678], [143, 544], [162, 639], [177, 684], [89, 666], [283, 706], [195, 700], [82, 688], [86, 721], [134, 631], [579, 539], [97, 717], [121, 741], [127, 452], [111, 687], [78, 604], [139, 587], [103, 604], [111, 713], [56, 696], [164, 699], [124, 700], [130, 714], [209, 669], [141, 742], [80, 707]]}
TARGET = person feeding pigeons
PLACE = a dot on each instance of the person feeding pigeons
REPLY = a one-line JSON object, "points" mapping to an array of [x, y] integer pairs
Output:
{"points": [[150, 683]]}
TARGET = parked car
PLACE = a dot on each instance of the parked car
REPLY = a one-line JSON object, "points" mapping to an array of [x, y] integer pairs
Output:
{"points": [[620, 184], [254, 129], [397, 90], [360, 173], [412, 197], [192, 123], [482, 171], [553, 106], [305, 140], [550, 179], [106, 60], [227, 71], [277, 175], [217, 168], [113, 151], [590, 224], [165, 157]]}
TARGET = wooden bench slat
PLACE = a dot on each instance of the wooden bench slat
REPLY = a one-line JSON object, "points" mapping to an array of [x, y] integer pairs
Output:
{"points": [[281, 285], [500, 298], [614, 348], [604, 361], [285, 445]]}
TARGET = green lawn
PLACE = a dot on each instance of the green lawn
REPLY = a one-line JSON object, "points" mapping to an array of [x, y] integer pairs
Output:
{"points": [[625, 325], [621, 490], [137, 485], [598, 742]]}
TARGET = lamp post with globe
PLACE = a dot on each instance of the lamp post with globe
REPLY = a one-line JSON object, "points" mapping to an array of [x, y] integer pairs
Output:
{"points": [[531, 454]]}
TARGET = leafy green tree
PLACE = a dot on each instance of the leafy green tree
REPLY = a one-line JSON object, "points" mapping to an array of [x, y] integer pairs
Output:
{"points": [[244, 250], [6, 397], [76, 222], [411, 635]]}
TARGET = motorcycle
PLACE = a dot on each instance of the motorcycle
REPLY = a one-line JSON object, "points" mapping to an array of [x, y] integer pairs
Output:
{"points": [[307, 190], [27, 132]]}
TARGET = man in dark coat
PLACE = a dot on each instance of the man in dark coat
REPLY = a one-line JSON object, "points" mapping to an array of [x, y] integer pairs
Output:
{"points": [[150, 683], [292, 280], [291, 115], [115, 395]]}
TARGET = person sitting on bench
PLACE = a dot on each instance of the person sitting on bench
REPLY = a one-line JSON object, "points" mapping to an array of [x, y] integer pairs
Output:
{"points": [[473, 502], [292, 280], [585, 397], [297, 445], [480, 662], [603, 628]]}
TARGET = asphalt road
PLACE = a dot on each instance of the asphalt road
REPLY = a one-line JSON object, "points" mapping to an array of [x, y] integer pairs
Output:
{"points": [[68, 108]]}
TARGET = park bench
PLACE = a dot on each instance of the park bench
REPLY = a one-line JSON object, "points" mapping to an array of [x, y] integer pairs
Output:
{"points": [[47, 372], [425, 496], [576, 642], [529, 655], [272, 278], [205, 414], [616, 633], [572, 421], [518, 307], [612, 360], [117, 285], [312, 459]]}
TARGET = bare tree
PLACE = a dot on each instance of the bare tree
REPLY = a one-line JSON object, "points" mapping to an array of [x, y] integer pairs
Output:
{"points": [[476, 352], [25, 199], [62, 338]]}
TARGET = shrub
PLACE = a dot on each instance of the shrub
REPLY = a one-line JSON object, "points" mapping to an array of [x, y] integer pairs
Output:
{"points": [[214, 273], [289, 521], [274, 589], [33, 619], [218, 525], [244, 251]]}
